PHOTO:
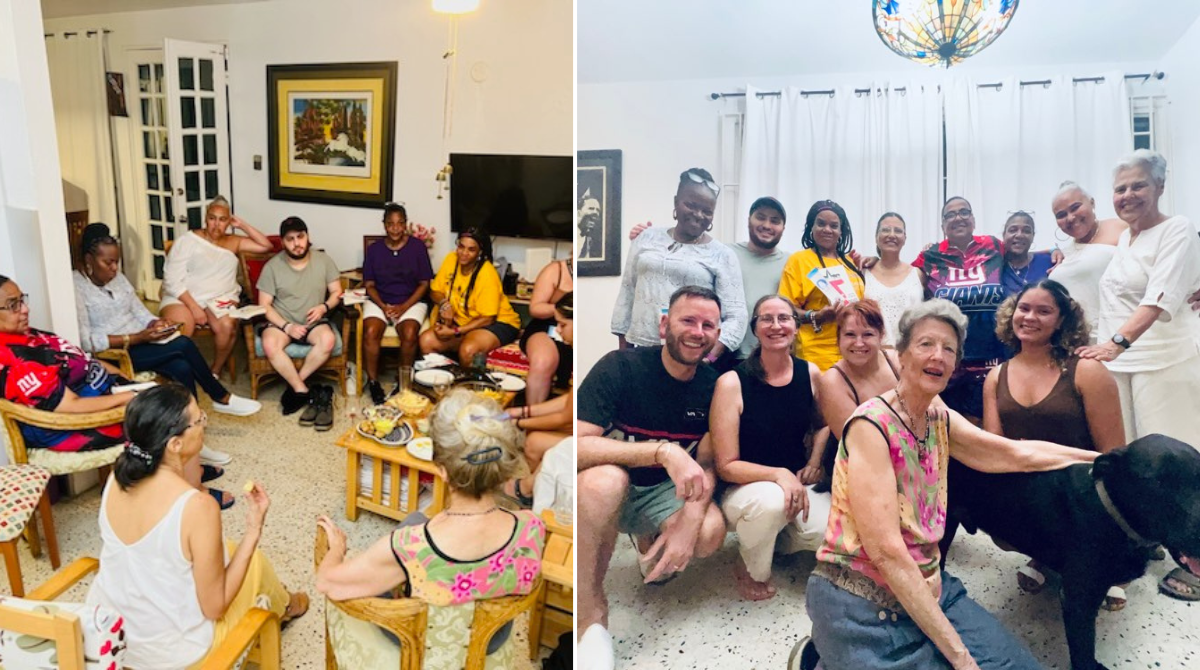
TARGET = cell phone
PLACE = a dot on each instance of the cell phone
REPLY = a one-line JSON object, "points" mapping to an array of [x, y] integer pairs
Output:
{"points": [[552, 333], [169, 329]]}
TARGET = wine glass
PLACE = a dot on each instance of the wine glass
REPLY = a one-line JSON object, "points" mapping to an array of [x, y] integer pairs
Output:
{"points": [[440, 387]]}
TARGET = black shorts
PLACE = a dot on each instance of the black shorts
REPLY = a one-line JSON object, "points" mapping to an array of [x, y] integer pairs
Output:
{"points": [[565, 354], [503, 332]]}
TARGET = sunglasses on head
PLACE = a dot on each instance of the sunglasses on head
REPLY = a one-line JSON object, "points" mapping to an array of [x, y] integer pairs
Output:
{"points": [[711, 185]]}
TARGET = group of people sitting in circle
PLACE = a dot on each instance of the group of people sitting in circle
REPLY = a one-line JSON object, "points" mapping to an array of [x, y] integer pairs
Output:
{"points": [[486, 452], [812, 423]]}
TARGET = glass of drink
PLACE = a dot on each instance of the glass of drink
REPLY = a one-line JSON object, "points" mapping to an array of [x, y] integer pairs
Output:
{"points": [[564, 503], [405, 377]]}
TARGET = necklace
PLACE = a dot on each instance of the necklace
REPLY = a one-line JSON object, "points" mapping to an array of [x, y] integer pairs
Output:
{"points": [[912, 417], [489, 510]]}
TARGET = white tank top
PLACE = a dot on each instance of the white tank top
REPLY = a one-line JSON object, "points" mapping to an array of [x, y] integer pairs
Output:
{"points": [[894, 300], [1080, 272], [151, 585]]}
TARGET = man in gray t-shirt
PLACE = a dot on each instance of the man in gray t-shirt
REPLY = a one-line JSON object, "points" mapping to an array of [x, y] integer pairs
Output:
{"points": [[761, 260], [298, 288]]}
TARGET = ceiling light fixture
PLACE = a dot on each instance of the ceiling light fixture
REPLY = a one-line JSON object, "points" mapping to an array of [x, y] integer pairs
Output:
{"points": [[940, 32], [455, 6]]}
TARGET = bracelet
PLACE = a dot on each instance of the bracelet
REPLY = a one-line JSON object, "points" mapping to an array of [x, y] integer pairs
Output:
{"points": [[517, 423], [659, 449], [126, 343], [456, 331], [285, 326]]}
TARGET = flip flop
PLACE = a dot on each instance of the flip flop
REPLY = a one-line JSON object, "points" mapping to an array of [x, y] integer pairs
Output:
{"points": [[220, 497], [1188, 587], [515, 496], [297, 606], [1030, 579], [211, 472], [1115, 600]]}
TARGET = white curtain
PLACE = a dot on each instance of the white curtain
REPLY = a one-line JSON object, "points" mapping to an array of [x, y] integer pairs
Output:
{"points": [[871, 152], [78, 84], [1009, 148]]}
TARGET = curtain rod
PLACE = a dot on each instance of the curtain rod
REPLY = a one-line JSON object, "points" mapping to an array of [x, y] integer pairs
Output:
{"points": [[90, 33], [901, 89]]}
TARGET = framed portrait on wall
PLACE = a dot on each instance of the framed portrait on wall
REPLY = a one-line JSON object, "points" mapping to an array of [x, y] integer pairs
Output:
{"points": [[331, 130], [598, 213]]}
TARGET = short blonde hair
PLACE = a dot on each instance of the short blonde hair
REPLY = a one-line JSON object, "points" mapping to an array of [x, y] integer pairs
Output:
{"points": [[475, 443]]}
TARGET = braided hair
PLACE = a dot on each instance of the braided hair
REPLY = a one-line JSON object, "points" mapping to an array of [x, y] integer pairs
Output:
{"points": [[845, 240], [485, 256], [95, 235]]}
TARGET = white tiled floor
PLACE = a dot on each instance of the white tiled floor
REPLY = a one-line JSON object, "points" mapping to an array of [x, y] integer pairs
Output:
{"points": [[696, 621]]}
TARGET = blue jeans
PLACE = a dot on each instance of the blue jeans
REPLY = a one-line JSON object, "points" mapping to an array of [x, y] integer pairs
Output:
{"points": [[180, 360], [852, 633]]}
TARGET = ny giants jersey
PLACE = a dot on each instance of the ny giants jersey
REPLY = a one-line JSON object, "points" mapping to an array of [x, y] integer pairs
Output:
{"points": [[971, 280]]}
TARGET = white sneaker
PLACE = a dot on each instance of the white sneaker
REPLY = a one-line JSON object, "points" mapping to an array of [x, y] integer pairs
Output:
{"points": [[596, 649], [238, 406], [213, 457]]}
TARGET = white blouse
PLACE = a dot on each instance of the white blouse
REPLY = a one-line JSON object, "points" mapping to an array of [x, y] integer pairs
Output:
{"points": [[894, 300], [205, 270], [1160, 269], [1080, 272]]}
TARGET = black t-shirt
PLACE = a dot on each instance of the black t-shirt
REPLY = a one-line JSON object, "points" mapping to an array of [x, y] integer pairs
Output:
{"points": [[632, 397], [775, 419]]}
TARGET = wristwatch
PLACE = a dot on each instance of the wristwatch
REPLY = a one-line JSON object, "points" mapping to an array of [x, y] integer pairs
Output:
{"points": [[1121, 341]]}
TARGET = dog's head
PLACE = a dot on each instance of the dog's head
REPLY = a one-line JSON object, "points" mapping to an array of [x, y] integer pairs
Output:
{"points": [[1155, 483]]}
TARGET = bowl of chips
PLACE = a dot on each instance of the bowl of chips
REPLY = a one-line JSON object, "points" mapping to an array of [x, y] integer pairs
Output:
{"points": [[410, 403]]}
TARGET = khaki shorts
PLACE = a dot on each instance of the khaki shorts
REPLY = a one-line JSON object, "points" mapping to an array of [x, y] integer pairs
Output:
{"points": [[646, 508]]}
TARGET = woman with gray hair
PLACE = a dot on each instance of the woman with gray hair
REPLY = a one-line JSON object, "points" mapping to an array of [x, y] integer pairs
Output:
{"points": [[879, 566], [1147, 335], [472, 550]]}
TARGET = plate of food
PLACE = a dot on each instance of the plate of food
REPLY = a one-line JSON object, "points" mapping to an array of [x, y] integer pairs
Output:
{"points": [[433, 377], [508, 382], [385, 425]]}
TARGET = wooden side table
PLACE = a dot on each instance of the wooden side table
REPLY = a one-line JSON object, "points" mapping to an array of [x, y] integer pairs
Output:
{"points": [[552, 615], [394, 459]]}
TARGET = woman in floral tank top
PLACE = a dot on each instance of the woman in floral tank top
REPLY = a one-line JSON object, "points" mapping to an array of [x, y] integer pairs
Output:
{"points": [[471, 551], [878, 597]]}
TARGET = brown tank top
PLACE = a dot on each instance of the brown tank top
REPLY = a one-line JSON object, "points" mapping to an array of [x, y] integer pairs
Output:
{"points": [[1059, 417]]}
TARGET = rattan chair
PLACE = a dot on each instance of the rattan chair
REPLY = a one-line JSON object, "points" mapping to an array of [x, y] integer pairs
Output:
{"points": [[257, 631], [119, 358], [59, 462], [407, 618], [260, 366]]}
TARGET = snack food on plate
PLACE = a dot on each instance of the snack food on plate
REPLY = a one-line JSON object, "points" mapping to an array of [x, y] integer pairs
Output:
{"points": [[411, 403]]}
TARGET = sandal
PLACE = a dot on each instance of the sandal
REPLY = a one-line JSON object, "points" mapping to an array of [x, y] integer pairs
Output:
{"points": [[1030, 579], [513, 494], [223, 499], [296, 607], [1185, 586], [211, 472], [1115, 600]]}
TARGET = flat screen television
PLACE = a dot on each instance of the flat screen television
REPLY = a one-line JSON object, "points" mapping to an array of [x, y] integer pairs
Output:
{"points": [[513, 196]]}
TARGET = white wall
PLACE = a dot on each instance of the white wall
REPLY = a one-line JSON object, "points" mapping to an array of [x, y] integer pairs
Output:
{"points": [[665, 127], [33, 231], [1182, 65], [522, 107]]}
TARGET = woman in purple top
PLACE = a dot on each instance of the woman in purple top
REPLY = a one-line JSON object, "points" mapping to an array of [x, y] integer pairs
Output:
{"points": [[396, 272]]}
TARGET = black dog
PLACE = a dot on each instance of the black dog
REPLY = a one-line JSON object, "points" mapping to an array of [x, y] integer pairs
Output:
{"points": [[1062, 519]]}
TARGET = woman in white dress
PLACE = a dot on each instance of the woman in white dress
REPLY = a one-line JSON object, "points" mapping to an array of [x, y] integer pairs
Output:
{"points": [[1088, 250], [891, 282], [201, 272], [1147, 335]]}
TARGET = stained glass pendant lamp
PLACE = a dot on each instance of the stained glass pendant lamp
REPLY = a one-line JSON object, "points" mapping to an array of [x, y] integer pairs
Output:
{"points": [[941, 32]]}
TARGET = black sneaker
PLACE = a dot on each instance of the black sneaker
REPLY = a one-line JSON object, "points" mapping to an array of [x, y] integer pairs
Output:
{"points": [[324, 417], [292, 401], [376, 390], [310, 410]]}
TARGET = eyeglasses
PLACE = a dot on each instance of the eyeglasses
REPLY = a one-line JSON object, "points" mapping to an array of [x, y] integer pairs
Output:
{"points": [[956, 214], [202, 421], [773, 319], [15, 304], [712, 186]]}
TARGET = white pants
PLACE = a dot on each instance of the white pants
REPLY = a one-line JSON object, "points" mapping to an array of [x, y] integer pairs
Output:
{"points": [[1163, 401], [417, 313], [755, 512]]}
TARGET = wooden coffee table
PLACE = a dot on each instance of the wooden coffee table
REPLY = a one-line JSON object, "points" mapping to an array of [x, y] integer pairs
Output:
{"points": [[552, 614], [398, 465]]}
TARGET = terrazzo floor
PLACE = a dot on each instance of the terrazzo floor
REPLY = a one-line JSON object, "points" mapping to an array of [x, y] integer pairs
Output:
{"points": [[697, 621], [302, 471]]}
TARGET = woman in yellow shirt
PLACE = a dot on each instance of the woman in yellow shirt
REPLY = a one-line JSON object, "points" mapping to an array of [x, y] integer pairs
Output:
{"points": [[473, 314], [827, 239]]}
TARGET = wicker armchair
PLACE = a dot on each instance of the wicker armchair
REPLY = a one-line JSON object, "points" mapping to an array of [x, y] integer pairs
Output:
{"points": [[260, 367], [407, 618], [119, 358], [258, 631], [59, 462]]}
